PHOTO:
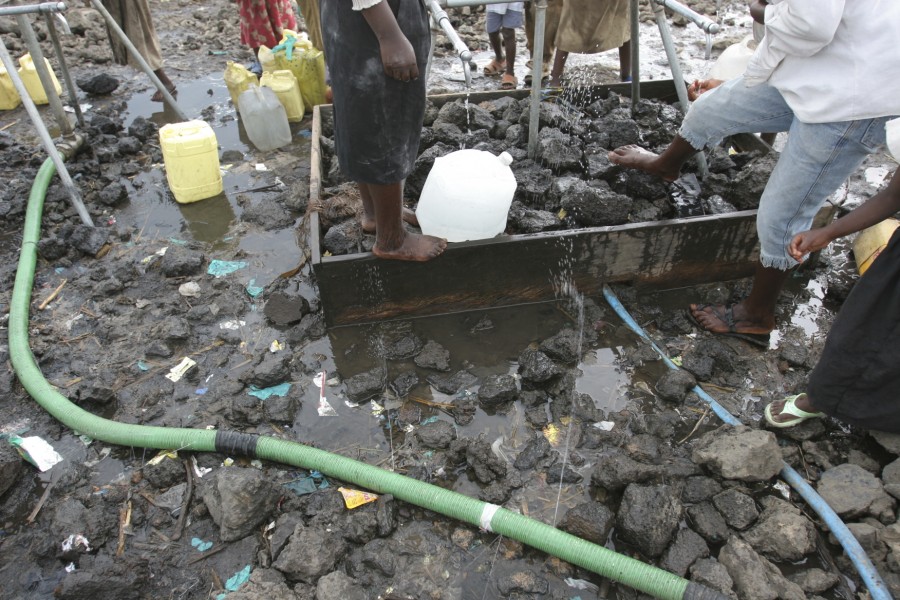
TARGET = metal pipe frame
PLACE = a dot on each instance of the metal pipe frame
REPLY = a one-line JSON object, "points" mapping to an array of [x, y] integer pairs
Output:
{"points": [[170, 100], [462, 3], [29, 9], [704, 23], [677, 75], [57, 47], [635, 54], [537, 71], [37, 57], [46, 140]]}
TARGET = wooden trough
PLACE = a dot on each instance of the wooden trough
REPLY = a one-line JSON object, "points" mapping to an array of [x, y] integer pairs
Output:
{"points": [[515, 269]]}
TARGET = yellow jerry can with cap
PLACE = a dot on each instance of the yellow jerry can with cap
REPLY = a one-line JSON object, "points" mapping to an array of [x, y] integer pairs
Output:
{"points": [[9, 97], [285, 86], [237, 79], [191, 156], [871, 242], [31, 79]]}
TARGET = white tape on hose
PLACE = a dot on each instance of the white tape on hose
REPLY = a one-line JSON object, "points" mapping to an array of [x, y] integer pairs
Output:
{"points": [[487, 514]]}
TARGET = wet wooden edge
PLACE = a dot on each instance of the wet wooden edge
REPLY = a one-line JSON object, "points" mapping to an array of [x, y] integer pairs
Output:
{"points": [[518, 269]]}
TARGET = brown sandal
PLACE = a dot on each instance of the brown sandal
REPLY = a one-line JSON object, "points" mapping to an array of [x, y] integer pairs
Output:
{"points": [[494, 68], [158, 97], [509, 82]]}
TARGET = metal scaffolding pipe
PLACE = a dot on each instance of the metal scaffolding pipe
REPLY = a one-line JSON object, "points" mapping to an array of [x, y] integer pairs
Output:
{"points": [[461, 3], [635, 54], [537, 71], [46, 140], [704, 23], [28, 9], [37, 57], [57, 47], [114, 27], [440, 17], [677, 75]]}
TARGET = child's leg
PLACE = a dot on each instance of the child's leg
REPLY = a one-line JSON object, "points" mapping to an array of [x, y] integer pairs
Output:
{"points": [[368, 218], [625, 61], [494, 37], [559, 63], [391, 238], [509, 44]]}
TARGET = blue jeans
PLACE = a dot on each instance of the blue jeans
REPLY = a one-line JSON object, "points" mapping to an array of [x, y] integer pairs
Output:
{"points": [[816, 160]]}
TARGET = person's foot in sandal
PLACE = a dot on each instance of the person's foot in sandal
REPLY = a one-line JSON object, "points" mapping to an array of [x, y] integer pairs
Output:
{"points": [[158, 97], [495, 68], [791, 411], [509, 82]]}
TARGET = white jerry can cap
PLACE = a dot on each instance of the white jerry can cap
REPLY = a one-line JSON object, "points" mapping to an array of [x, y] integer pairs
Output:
{"points": [[505, 158]]}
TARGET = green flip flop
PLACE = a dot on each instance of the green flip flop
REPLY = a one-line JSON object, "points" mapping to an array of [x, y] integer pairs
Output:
{"points": [[790, 408]]}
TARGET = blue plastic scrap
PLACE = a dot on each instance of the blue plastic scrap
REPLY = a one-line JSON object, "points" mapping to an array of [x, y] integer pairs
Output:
{"points": [[200, 545], [221, 268], [265, 393], [253, 289], [235, 581]]}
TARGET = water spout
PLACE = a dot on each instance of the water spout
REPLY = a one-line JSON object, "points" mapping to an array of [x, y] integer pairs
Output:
{"points": [[465, 55]]}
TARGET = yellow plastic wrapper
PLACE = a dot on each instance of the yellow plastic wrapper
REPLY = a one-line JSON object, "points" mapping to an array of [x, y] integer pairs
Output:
{"points": [[298, 55], [354, 498]]}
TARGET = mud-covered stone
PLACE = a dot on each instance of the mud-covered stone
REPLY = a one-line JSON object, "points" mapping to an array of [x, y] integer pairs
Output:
{"points": [[815, 581], [310, 553], [239, 500], [338, 586], [437, 434], [714, 575], [596, 204], [433, 356], [537, 367], [497, 390], [11, 467], [699, 488], [687, 547], [591, 521], [708, 522], [558, 150], [783, 533], [738, 508], [850, 490], [273, 369], [486, 465], [534, 451], [363, 386], [88, 240], [453, 384], [615, 471], [181, 262], [674, 385], [755, 578], [522, 582], [648, 517], [739, 453]]}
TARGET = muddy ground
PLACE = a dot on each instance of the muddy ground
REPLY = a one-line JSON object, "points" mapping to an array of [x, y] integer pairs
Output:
{"points": [[554, 411]]}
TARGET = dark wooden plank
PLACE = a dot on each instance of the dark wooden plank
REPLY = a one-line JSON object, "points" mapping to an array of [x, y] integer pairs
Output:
{"points": [[512, 270]]}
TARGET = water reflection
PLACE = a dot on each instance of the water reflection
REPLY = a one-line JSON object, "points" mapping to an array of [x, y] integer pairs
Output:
{"points": [[209, 220]]}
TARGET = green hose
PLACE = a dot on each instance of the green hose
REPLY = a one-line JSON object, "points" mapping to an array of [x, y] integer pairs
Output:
{"points": [[628, 571]]}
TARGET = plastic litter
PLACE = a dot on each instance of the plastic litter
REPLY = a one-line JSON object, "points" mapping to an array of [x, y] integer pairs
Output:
{"points": [[221, 268], [198, 470], [581, 584], [605, 425], [684, 194], [309, 484], [158, 254], [253, 289], [200, 545], [265, 393], [36, 451], [162, 455], [276, 346], [179, 370], [354, 498], [232, 325], [191, 289], [143, 366], [325, 409], [236, 581], [76, 541]]}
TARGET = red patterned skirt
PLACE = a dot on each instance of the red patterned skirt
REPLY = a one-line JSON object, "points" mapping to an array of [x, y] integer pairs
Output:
{"points": [[263, 20]]}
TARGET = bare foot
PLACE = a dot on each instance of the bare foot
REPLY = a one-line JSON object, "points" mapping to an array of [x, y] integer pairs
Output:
{"points": [[414, 247], [732, 319], [368, 222], [158, 97], [635, 157]]}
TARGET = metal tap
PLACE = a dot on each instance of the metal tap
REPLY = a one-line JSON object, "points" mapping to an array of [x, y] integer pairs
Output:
{"points": [[465, 55]]}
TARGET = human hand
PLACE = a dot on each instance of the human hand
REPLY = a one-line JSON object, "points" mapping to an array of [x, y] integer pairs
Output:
{"points": [[398, 58], [701, 86], [808, 241], [758, 10]]}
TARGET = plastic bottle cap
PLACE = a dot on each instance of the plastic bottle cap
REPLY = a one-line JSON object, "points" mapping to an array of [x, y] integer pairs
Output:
{"points": [[505, 158]]}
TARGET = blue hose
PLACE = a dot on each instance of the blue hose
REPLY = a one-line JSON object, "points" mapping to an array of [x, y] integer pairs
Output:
{"points": [[851, 546]]}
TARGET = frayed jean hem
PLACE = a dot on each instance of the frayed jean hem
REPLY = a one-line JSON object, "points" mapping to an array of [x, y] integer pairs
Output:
{"points": [[782, 263]]}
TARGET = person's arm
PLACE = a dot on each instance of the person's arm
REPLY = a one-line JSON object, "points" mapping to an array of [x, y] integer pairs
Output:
{"points": [[882, 205], [758, 10], [397, 53], [802, 27]]}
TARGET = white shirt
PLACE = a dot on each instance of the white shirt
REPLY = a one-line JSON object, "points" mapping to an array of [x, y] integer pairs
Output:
{"points": [[832, 60], [502, 7]]}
